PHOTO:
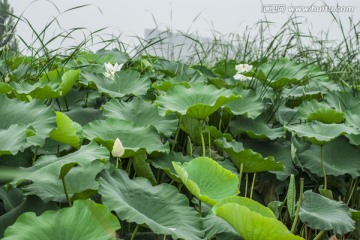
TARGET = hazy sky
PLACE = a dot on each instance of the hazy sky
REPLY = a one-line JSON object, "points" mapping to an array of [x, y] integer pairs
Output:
{"points": [[202, 16]]}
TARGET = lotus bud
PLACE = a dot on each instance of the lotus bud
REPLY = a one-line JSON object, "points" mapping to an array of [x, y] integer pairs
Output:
{"points": [[7, 78], [118, 149]]}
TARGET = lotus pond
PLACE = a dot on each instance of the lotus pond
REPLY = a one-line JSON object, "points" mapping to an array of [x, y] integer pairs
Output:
{"points": [[260, 150]]}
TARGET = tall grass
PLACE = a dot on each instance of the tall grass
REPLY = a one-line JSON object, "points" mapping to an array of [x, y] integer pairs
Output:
{"points": [[339, 58]]}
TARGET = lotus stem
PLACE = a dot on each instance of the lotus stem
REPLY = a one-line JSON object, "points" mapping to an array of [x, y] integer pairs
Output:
{"points": [[134, 233], [176, 135], [246, 183], [319, 235], [252, 185], [128, 166], [58, 103], [203, 143], [66, 192], [164, 237], [220, 121], [296, 218], [240, 175], [35, 155], [66, 104], [323, 166], [353, 186], [209, 138], [117, 163]]}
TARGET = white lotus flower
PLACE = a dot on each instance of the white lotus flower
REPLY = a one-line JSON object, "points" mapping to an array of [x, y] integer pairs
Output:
{"points": [[110, 70], [118, 149], [241, 77], [243, 68]]}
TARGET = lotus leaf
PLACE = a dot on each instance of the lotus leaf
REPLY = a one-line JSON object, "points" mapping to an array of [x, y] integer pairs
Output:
{"points": [[66, 131], [252, 220], [250, 105], [320, 133], [199, 101], [207, 180], [319, 111], [162, 208], [255, 128], [45, 172], [280, 73], [38, 118], [334, 153], [85, 220], [141, 112], [252, 161], [126, 82], [28, 204], [131, 135], [325, 214], [54, 84]]}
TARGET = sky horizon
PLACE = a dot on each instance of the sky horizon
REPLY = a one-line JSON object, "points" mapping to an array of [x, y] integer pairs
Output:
{"points": [[130, 18]]}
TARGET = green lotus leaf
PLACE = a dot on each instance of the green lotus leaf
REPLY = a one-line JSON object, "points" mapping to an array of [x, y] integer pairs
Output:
{"points": [[250, 105], [252, 220], [225, 68], [281, 151], [20, 205], [214, 225], [319, 212], [141, 112], [162, 208], [126, 82], [85, 59], [314, 90], [334, 153], [352, 119], [320, 133], [46, 170], [52, 189], [54, 84], [132, 136], [344, 100], [353, 139], [319, 111], [282, 72], [65, 131], [166, 85], [355, 214], [39, 119], [255, 128], [13, 139], [164, 162], [207, 180], [252, 161], [84, 115], [85, 220], [173, 69], [4, 88], [112, 56], [199, 101]]}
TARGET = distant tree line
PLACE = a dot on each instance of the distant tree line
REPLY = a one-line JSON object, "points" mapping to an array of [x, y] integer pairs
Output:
{"points": [[7, 25]]}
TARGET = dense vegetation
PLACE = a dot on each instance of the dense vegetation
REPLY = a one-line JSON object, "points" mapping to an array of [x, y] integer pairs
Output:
{"points": [[117, 145]]}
